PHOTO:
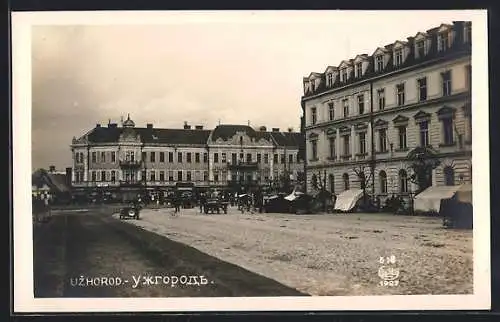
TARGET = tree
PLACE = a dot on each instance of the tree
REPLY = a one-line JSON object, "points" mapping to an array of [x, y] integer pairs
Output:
{"points": [[314, 181], [422, 161], [364, 182]]}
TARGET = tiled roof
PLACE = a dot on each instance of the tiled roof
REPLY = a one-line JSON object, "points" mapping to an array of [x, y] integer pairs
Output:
{"points": [[151, 135], [228, 130], [287, 138], [55, 181]]}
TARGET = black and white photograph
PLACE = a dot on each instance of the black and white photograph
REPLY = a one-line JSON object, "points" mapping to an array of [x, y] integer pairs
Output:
{"points": [[250, 160]]}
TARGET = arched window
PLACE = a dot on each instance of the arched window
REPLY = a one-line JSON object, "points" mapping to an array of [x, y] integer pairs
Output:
{"points": [[403, 181], [345, 177], [314, 181], [332, 183], [383, 182], [449, 176]]}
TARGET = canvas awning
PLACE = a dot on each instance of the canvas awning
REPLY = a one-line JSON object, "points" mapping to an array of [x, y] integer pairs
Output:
{"points": [[464, 193], [293, 196], [348, 199], [430, 198]]}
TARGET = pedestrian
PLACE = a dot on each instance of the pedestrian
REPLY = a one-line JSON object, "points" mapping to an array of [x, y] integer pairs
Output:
{"points": [[177, 203]]}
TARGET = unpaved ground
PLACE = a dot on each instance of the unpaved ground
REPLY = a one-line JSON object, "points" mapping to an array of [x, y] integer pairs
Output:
{"points": [[329, 254]]}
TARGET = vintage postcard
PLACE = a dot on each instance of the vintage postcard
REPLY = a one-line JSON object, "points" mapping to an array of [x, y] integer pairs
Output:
{"points": [[250, 161]]}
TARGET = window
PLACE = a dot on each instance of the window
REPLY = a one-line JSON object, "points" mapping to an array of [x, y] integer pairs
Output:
{"points": [[216, 157], [93, 176], [197, 157], [468, 78], [402, 137], [266, 158], [398, 57], [290, 158], [361, 104], [422, 89], [424, 133], [345, 104], [223, 156], [249, 157], [347, 145], [332, 148], [162, 175], [113, 175], [234, 158], [283, 159], [259, 158], [381, 98], [383, 182], [331, 111], [343, 74], [331, 179], [420, 48], [379, 60], [345, 178], [446, 81], [153, 175], [314, 149], [314, 116], [205, 175], [153, 157], [103, 175], [188, 175], [94, 157], [241, 157], [403, 181], [447, 130], [449, 176], [216, 176], [170, 175], [131, 156], [359, 69], [329, 79], [362, 143], [103, 156], [275, 158], [179, 175], [179, 157], [443, 41], [313, 85], [162, 157], [143, 175], [188, 157], [382, 140], [143, 156], [467, 32], [400, 89], [171, 157], [205, 157]]}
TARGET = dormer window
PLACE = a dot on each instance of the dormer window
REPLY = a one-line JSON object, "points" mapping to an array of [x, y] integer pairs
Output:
{"points": [[313, 85], [379, 61], [359, 69], [343, 74], [443, 41], [420, 49], [398, 57], [329, 79]]}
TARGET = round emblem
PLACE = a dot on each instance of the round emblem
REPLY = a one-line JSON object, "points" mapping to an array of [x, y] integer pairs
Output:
{"points": [[388, 273]]}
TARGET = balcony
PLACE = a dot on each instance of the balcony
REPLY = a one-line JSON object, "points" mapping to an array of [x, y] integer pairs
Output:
{"points": [[242, 165], [130, 163]]}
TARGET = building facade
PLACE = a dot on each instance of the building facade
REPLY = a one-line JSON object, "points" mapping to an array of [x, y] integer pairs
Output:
{"points": [[361, 119], [153, 158]]}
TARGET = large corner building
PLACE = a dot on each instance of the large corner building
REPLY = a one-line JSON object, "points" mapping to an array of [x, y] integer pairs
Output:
{"points": [[367, 113], [129, 157]]}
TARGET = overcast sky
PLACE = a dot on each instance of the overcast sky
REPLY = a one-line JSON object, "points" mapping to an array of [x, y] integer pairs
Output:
{"points": [[234, 72]]}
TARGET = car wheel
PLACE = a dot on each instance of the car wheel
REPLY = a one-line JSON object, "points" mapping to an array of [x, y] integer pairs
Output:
{"points": [[132, 213]]}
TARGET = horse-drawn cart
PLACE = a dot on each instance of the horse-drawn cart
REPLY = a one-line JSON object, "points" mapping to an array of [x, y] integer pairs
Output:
{"points": [[215, 205]]}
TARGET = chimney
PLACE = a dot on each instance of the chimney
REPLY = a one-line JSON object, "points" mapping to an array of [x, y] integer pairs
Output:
{"points": [[187, 126], [199, 127], [290, 129], [98, 125], [69, 173], [52, 168], [149, 125], [112, 125], [276, 129], [263, 129]]}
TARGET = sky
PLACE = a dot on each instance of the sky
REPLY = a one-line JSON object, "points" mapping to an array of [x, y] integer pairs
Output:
{"points": [[233, 71]]}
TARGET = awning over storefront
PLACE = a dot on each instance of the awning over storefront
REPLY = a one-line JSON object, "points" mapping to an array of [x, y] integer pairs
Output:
{"points": [[348, 199], [430, 198], [294, 195]]}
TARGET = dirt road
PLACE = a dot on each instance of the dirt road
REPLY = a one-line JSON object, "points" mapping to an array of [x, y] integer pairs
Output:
{"points": [[90, 254], [337, 254]]}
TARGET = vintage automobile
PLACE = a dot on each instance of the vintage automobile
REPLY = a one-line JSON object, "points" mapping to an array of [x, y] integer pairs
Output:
{"points": [[130, 211], [214, 205]]}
